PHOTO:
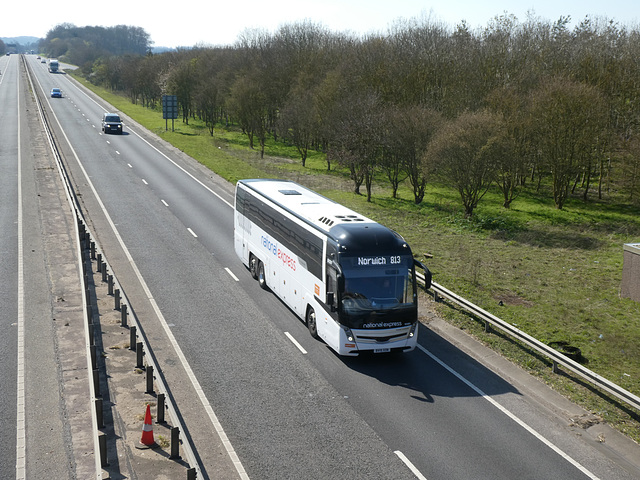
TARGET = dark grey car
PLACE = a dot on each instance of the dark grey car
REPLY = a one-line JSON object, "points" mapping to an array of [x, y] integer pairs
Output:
{"points": [[111, 123]]}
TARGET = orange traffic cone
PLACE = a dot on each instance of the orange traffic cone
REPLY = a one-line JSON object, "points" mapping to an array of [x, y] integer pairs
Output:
{"points": [[147, 430]]}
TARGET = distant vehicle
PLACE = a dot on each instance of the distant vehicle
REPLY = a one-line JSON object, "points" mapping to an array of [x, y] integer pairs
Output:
{"points": [[43, 61], [111, 123], [53, 65], [56, 92]]}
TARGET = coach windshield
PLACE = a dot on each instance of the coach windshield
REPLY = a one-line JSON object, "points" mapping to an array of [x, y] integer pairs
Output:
{"points": [[377, 293]]}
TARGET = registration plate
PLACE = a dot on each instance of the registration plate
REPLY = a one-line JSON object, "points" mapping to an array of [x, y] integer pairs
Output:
{"points": [[382, 350]]}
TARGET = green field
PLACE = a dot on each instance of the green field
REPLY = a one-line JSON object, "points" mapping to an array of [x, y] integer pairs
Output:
{"points": [[554, 274]]}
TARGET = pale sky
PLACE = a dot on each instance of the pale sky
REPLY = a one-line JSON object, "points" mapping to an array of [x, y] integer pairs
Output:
{"points": [[192, 22]]}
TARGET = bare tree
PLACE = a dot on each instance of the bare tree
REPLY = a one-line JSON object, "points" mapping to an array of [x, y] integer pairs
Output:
{"points": [[571, 119], [356, 139], [298, 120], [407, 131], [463, 154], [512, 140], [247, 102]]}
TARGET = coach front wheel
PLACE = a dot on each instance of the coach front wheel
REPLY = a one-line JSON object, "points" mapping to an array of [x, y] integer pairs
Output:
{"points": [[312, 325]]}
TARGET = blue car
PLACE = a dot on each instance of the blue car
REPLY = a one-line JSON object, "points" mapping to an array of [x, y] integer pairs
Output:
{"points": [[56, 92]]}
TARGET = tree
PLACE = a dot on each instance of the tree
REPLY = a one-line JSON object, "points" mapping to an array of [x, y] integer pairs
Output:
{"points": [[571, 122], [248, 104], [182, 83], [391, 157], [630, 171], [298, 120], [463, 153], [512, 140], [356, 139], [407, 131]]}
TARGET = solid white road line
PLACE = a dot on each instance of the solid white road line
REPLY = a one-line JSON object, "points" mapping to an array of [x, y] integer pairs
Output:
{"points": [[510, 415], [21, 471], [411, 466]]}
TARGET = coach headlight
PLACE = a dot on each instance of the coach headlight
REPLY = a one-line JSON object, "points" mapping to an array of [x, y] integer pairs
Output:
{"points": [[349, 334], [412, 331]]}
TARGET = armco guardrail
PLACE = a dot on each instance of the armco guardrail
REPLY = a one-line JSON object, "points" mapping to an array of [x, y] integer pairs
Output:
{"points": [[551, 353]]}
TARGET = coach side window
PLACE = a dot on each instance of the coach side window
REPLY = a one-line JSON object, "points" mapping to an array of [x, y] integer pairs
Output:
{"points": [[332, 285], [332, 275]]}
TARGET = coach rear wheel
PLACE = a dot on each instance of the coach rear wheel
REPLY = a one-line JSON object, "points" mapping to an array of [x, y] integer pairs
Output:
{"points": [[312, 325], [262, 280], [253, 266]]}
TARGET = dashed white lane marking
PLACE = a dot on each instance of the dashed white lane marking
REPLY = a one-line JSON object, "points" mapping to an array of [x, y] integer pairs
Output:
{"points": [[295, 342]]}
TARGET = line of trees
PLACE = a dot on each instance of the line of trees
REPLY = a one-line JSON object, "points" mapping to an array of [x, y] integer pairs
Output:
{"points": [[84, 45], [514, 105]]}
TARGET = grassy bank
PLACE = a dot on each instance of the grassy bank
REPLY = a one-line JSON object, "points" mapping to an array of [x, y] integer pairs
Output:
{"points": [[555, 274]]}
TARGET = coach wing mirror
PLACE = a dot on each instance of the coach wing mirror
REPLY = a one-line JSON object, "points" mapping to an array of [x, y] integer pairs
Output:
{"points": [[331, 300], [426, 272]]}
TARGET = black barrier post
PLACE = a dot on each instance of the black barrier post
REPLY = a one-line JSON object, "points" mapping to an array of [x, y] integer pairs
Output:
{"points": [[160, 412], [99, 414], [102, 443], [132, 338], [123, 315], [139, 355], [175, 443], [117, 299], [150, 380], [92, 350], [96, 382]]}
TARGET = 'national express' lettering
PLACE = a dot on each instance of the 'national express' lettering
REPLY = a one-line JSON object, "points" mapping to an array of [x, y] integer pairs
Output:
{"points": [[272, 247], [269, 245]]}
